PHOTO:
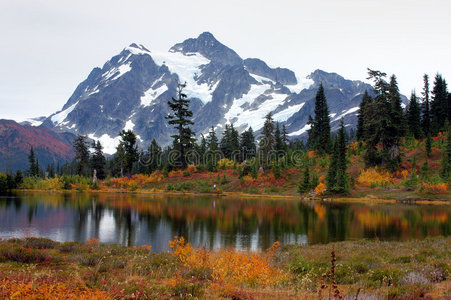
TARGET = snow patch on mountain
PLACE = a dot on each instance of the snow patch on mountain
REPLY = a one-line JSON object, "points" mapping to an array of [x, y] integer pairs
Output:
{"points": [[285, 114], [303, 83], [188, 68], [239, 114], [62, 115], [300, 131], [151, 94], [115, 73], [347, 112], [129, 125]]}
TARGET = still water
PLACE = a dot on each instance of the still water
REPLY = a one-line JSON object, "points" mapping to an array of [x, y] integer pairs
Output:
{"points": [[211, 221]]}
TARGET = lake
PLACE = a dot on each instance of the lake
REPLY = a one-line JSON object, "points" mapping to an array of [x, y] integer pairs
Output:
{"points": [[210, 221]]}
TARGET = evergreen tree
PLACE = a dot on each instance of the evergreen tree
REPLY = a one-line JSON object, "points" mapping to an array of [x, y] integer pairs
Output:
{"points": [[248, 148], [395, 128], [202, 148], [319, 133], [98, 160], [361, 118], [183, 140], [81, 159], [285, 140], [155, 152], [304, 185], [18, 178], [33, 169], [337, 180], [383, 123], [278, 139], [213, 150], [445, 171], [426, 114], [413, 180], [267, 142], [230, 142], [413, 117], [119, 161], [128, 151], [439, 105]]}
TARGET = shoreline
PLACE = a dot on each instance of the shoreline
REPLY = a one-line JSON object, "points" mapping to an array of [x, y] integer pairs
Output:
{"points": [[369, 199]]}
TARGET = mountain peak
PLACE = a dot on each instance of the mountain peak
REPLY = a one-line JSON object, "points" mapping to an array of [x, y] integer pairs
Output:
{"points": [[207, 45], [137, 49]]}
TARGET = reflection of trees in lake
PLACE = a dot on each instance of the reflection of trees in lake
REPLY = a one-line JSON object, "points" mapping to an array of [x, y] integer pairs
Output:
{"points": [[246, 223]]}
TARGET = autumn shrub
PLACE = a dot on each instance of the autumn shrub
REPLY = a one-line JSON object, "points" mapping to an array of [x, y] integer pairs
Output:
{"points": [[15, 289], [229, 266], [225, 164], [17, 253], [320, 189], [374, 177], [439, 188]]}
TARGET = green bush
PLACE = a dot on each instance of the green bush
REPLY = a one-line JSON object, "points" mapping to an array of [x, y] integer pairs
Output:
{"points": [[3, 183]]}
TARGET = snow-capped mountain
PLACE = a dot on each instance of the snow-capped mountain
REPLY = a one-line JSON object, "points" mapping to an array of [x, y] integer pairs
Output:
{"points": [[132, 89]]}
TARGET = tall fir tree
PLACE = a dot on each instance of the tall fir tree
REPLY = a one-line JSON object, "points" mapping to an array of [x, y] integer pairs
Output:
{"points": [[426, 113], [33, 168], [183, 140], [445, 171], [211, 156], [98, 160], [267, 142], [337, 179], [248, 148], [319, 134], [129, 149], [366, 99], [439, 105], [285, 139], [81, 159], [413, 117]]}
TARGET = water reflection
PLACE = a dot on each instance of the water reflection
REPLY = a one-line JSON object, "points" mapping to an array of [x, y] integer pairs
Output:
{"points": [[212, 222]]}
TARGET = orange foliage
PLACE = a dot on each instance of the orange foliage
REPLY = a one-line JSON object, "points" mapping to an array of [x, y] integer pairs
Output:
{"points": [[19, 290], [311, 154], [440, 188], [93, 241], [368, 177], [320, 189], [228, 266], [265, 180], [191, 169], [175, 173]]}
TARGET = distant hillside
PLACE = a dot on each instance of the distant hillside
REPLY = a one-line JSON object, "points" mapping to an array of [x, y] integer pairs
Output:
{"points": [[16, 141]]}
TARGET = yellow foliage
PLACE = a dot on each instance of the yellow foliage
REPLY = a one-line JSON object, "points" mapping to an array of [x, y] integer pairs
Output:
{"points": [[320, 189], [376, 176], [229, 266], [226, 163]]}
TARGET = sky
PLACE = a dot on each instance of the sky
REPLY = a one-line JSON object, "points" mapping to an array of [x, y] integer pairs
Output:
{"points": [[49, 47]]}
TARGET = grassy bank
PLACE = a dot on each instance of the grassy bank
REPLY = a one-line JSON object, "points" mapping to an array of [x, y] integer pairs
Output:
{"points": [[43, 268]]}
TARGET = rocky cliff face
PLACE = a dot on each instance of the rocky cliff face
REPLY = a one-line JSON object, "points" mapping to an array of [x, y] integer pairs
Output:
{"points": [[132, 89]]}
